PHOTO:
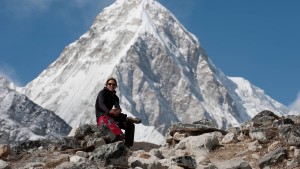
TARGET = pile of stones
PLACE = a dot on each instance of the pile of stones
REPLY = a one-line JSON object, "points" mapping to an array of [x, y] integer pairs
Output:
{"points": [[266, 141]]}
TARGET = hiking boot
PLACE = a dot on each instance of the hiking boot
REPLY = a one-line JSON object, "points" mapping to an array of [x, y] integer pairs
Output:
{"points": [[134, 120]]}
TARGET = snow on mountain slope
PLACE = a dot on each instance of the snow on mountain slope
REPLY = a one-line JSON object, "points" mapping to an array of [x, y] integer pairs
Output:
{"points": [[255, 100], [21, 119], [164, 75]]}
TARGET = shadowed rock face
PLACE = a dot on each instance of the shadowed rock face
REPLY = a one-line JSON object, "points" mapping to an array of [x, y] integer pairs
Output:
{"points": [[206, 150], [21, 119]]}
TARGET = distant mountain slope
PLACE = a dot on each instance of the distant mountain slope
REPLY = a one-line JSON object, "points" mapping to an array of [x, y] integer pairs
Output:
{"points": [[254, 99], [164, 74], [21, 119]]}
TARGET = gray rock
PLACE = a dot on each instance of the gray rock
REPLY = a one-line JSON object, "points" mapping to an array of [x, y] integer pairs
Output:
{"points": [[4, 165], [295, 162], [57, 160], [236, 163], [77, 159], [259, 134], [273, 157], [97, 142], [253, 146], [157, 153], [82, 154], [197, 145], [229, 138], [264, 118], [115, 153], [188, 162], [64, 143], [193, 129], [71, 165], [206, 122], [189, 130], [37, 165], [291, 134], [235, 130], [83, 131], [283, 121], [30, 144]]}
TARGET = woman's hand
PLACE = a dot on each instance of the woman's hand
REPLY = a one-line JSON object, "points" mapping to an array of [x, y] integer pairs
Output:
{"points": [[115, 112]]}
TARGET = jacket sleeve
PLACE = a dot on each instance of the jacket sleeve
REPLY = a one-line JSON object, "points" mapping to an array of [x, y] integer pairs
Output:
{"points": [[101, 103], [117, 103]]}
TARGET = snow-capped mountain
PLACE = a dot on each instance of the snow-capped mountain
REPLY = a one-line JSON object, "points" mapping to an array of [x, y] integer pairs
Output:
{"points": [[163, 73], [21, 119]]}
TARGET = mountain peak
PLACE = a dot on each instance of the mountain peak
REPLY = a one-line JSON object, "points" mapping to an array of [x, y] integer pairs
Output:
{"points": [[164, 75]]}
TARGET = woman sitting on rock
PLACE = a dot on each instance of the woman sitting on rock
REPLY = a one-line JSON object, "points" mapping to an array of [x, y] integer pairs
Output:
{"points": [[107, 103]]}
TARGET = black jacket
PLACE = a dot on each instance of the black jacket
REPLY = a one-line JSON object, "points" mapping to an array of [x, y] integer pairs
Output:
{"points": [[105, 101]]}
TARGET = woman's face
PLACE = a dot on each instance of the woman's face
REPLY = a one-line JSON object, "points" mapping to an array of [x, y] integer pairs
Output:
{"points": [[111, 85]]}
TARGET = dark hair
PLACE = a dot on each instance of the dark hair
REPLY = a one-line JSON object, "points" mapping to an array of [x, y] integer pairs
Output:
{"points": [[111, 79]]}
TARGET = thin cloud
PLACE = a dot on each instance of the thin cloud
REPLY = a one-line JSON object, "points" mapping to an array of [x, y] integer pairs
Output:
{"points": [[34, 4], [27, 8], [9, 73], [296, 104], [81, 3]]}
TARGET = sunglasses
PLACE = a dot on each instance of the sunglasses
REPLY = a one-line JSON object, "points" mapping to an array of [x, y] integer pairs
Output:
{"points": [[111, 84]]}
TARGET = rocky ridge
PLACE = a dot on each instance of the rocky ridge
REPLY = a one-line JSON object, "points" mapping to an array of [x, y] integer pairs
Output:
{"points": [[21, 119], [265, 141]]}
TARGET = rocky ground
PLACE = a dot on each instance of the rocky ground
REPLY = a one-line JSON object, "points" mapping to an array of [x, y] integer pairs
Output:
{"points": [[143, 146], [223, 153], [267, 141], [228, 151]]}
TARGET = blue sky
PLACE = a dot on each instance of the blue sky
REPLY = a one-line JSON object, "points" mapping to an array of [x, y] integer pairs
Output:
{"points": [[254, 39]]}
